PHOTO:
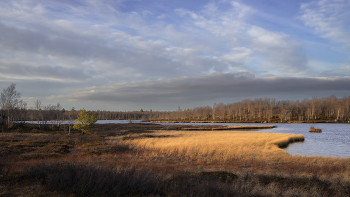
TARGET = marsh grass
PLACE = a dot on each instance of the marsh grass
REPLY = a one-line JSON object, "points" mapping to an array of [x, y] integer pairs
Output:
{"points": [[85, 180], [82, 180], [216, 145], [244, 151], [142, 162]]}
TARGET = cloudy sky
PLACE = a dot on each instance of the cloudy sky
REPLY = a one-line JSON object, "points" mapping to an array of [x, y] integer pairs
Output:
{"points": [[161, 54]]}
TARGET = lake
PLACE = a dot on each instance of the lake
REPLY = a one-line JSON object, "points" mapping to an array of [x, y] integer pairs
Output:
{"points": [[98, 122], [334, 140]]}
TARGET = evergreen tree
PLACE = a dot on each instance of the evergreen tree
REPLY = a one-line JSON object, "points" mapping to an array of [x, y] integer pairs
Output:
{"points": [[85, 121]]}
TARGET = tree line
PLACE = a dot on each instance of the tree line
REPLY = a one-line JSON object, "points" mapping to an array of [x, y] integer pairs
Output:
{"points": [[331, 109], [325, 109]]}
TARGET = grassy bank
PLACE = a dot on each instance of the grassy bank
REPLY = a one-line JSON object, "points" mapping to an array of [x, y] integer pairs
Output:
{"points": [[213, 145], [146, 160]]}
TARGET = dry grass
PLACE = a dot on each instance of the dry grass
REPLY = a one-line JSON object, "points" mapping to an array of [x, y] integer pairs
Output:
{"points": [[121, 160], [85, 180], [247, 152], [217, 144]]}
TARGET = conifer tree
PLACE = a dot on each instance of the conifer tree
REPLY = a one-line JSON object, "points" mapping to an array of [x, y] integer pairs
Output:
{"points": [[84, 121]]}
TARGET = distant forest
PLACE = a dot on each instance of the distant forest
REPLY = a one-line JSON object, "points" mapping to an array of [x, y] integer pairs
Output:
{"points": [[330, 109]]}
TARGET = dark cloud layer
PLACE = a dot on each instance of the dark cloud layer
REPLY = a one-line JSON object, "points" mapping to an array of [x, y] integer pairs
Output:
{"points": [[211, 87]]}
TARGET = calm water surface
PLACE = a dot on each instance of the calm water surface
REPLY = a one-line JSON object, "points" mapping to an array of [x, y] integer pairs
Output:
{"points": [[333, 141], [98, 122]]}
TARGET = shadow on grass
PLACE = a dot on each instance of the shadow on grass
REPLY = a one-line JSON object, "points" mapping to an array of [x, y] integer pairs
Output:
{"points": [[81, 180]]}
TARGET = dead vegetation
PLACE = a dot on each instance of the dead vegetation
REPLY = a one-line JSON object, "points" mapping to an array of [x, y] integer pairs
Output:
{"points": [[213, 144], [315, 130], [142, 160]]}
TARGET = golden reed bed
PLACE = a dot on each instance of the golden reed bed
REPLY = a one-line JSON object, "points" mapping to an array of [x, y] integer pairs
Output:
{"points": [[215, 143], [261, 151]]}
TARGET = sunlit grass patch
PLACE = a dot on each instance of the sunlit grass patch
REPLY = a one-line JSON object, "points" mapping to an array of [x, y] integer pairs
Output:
{"points": [[216, 144]]}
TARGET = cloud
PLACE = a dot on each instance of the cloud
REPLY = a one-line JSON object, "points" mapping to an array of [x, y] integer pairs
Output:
{"points": [[138, 58], [342, 71], [283, 52], [208, 88], [329, 18], [277, 52], [100, 48], [23, 71], [200, 53], [161, 16], [229, 24], [91, 36]]}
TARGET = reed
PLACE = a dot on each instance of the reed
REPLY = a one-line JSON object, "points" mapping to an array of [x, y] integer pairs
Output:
{"points": [[214, 144], [250, 152]]}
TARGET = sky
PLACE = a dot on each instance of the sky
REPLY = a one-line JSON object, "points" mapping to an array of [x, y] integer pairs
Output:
{"points": [[129, 55]]}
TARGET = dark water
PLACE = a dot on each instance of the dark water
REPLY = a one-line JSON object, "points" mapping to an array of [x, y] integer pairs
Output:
{"points": [[334, 140]]}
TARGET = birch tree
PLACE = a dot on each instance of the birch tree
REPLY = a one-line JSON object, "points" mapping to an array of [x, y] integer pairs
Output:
{"points": [[10, 100]]}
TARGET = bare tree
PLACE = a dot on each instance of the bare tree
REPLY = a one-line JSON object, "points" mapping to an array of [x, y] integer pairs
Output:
{"points": [[9, 102], [39, 113], [58, 114]]}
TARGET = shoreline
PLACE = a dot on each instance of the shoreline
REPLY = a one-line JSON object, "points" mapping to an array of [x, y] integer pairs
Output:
{"points": [[250, 122], [221, 128]]}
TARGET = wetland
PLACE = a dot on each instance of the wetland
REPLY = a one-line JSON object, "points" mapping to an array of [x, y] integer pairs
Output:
{"points": [[163, 160]]}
